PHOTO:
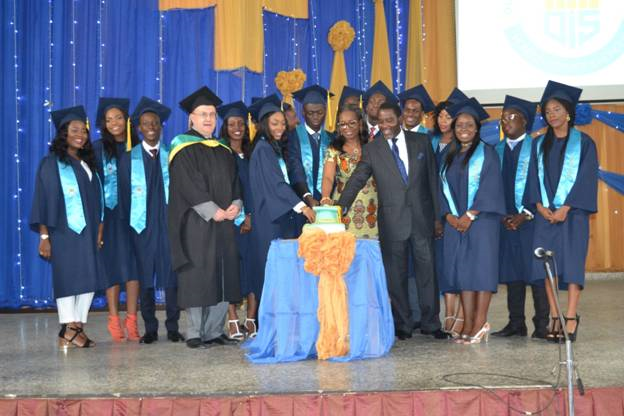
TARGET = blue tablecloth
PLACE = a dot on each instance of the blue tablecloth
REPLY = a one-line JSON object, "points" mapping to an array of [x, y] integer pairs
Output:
{"points": [[287, 315]]}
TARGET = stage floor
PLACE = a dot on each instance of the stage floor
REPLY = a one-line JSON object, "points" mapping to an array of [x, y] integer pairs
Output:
{"points": [[31, 364]]}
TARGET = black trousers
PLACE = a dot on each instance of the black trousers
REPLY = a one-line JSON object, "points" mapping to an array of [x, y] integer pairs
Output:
{"points": [[395, 256], [148, 309], [516, 298]]}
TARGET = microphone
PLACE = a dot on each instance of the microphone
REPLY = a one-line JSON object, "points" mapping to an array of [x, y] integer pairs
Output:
{"points": [[540, 253]]}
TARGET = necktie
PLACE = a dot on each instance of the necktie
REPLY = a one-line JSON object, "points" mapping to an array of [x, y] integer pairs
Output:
{"points": [[398, 161], [154, 153], [316, 136], [371, 134]]}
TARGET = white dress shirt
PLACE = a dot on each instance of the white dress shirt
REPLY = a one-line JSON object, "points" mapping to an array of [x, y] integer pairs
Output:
{"points": [[402, 145]]}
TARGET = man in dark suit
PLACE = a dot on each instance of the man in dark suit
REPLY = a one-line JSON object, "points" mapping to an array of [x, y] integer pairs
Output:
{"points": [[404, 169]]}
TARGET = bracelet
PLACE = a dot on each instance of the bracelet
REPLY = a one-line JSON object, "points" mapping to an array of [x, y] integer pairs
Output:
{"points": [[471, 216], [44, 236]]}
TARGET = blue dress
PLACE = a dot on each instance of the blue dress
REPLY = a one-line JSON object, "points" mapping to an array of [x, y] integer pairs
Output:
{"points": [[118, 258], [77, 265], [569, 240], [516, 252], [471, 258], [273, 203], [151, 246], [246, 247]]}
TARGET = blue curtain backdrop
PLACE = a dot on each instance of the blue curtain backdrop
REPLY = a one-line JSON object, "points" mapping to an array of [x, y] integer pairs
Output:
{"points": [[60, 53]]}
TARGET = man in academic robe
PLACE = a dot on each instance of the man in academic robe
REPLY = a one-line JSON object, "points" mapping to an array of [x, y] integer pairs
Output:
{"points": [[404, 168], [415, 103], [516, 251], [373, 98], [307, 145], [144, 189], [204, 200]]}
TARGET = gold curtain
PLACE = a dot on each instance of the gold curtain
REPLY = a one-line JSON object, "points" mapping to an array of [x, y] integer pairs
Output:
{"points": [[439, 59], [340, 37], [239, 32], [381, 51], [413, 76]]}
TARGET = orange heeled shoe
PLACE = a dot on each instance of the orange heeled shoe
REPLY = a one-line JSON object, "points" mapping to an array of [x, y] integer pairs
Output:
{"points": [[132, 328], [114, 328]]}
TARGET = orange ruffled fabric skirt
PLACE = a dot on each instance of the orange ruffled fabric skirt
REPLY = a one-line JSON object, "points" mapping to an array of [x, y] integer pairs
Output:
{"points": [[329, 257]]}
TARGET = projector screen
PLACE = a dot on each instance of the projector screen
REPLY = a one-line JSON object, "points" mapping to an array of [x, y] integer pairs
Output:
{"points": [[515, 46]]}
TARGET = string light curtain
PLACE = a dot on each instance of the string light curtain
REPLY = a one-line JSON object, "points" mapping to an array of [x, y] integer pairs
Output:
{"points": [[51, 54]]}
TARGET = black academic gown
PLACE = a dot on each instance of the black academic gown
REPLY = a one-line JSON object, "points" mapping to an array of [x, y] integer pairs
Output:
{"points": [[77, 265], [203, 253], [246, 247], [569, 240], [117, 253], [471, 258], [273, 201], [153, 254], [516, 253]]}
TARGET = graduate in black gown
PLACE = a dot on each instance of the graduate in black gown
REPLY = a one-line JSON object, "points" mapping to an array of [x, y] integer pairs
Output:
{"points": [[116, 139], [67, 212], [516, 252], [373, 98], [471, 195], [307, 145], [204, 200], [564, 185], [441, 136], [235, 134], [143, 194], [275, 203]]}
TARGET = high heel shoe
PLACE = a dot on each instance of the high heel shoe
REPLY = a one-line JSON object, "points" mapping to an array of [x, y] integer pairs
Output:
{"points": [[554, 331], [234, 336], [461, 339], [456, 334], [132, 327], [114, 328], [572, 335], [251, 333], [446, 318], [63, 342], [483, 334]]}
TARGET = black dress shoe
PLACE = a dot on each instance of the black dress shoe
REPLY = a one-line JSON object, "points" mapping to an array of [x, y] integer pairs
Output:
{"points": [[402, 335], [437, 334], [221, 340], [174, 336], [194, 342], [148, 338], [510, 331]]}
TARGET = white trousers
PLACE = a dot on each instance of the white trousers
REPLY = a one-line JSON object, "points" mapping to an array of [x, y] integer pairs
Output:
{"points": [[74, 308]]}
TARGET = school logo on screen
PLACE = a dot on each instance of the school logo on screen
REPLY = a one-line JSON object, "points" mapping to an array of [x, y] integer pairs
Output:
{"points": [[567, 37]]}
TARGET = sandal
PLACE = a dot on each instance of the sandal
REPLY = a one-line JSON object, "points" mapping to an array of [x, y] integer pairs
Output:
{"points": [[72, 342], [554, 332], [452, 331], [572, 335], [236, 336], [250, 333], [448, 331]]}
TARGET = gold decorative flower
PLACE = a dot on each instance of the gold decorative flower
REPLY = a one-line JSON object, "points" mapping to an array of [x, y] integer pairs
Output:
{"points": [[341, 36]]}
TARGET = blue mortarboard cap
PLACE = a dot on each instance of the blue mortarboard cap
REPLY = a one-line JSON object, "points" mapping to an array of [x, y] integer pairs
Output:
{"points": [[562, 91], [456, 96], [236, 109], [471, 106], [255, 99], [526, 108], [420, 94], [380, 87], [347, 92], [203, 96], [65, 115], [267, 105], [147, 105], [106, 103], [314, 94]]}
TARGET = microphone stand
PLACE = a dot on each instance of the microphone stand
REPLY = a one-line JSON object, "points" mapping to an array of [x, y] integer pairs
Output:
{"points": [[569, 362]]}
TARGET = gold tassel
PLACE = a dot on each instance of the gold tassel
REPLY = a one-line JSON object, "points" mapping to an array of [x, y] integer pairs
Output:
{"points": [[128, 136], [87, 124], [330, 115], [501, 134], [252, 128], [361, 103]]}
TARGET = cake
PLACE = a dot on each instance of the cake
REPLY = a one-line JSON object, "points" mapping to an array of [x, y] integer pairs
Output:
{"points": [[328, 219]]}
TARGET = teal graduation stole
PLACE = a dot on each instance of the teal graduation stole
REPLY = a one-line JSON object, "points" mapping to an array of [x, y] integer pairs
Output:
{"points": [[422, 129], [307, 158], [571, 162], [522, 170], [110, 181], [138, 185], [475, 165], [73, 201], [283, 168], [435, 142]]}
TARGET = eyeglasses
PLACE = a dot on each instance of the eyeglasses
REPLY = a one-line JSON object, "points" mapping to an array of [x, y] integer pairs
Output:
{"points": [[206, 115], [509, 117], [351, 123]]}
